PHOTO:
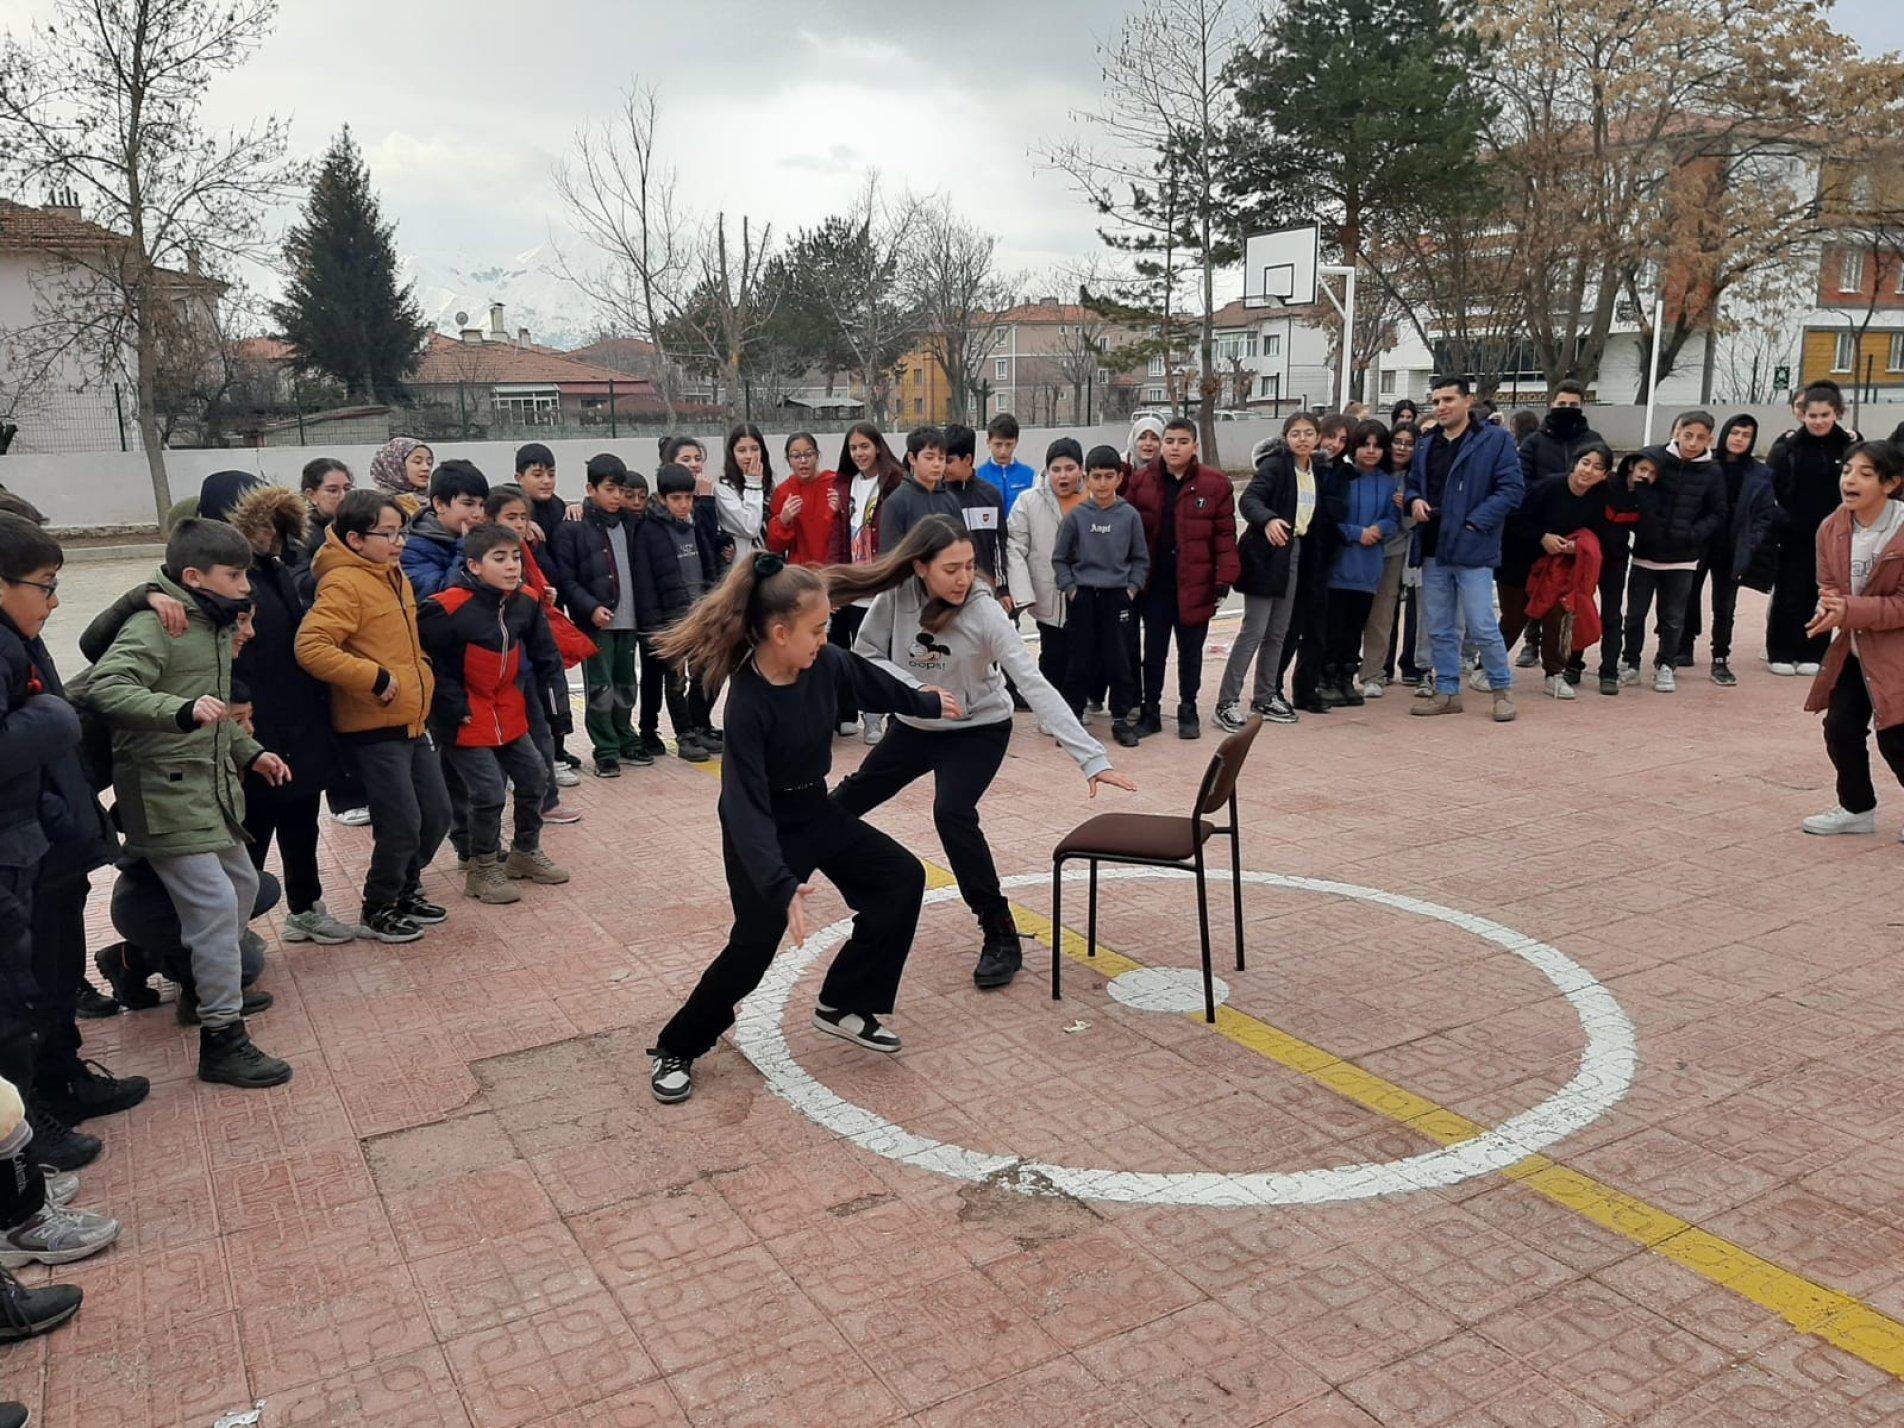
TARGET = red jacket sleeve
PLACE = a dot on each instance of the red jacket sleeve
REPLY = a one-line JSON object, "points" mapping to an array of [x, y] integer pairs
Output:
{"points": [[781, 538], [1229, 569]]}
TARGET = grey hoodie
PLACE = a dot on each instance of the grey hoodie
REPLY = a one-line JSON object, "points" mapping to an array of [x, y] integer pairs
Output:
{"points": [[1102, 547], [964, 658]]}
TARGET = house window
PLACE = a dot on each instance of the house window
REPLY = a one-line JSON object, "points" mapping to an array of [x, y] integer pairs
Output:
{"points": [[1153, 394], [1896, 362], [1001, 369], [1263, 384], [1388, 382], [528, 408], [1899, 285], [1249, 344], [1273, 344], [1103, 376], [1156, 366], [1846, 355], [1851, 273]]}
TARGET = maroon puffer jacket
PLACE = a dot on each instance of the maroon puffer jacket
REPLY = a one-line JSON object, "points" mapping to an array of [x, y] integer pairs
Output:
{"points": [[1206, 534]]}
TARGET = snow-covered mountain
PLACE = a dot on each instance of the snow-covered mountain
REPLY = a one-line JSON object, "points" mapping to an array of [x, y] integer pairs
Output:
{"points": [[528, 285]]}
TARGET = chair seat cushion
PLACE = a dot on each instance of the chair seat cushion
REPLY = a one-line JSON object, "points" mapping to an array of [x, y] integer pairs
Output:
{"points": [[1135, 835]]}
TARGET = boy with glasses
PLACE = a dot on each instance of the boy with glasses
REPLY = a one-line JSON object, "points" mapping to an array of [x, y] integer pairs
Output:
{"points": [[360, 638]]}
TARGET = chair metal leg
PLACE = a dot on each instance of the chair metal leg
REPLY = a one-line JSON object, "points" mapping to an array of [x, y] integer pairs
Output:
{"points": [[1090, 942], [1057, 926], [1203, 928], [1236, 883]]}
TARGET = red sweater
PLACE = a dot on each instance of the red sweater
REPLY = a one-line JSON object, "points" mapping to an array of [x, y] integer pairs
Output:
{"points": [[818, 535]]}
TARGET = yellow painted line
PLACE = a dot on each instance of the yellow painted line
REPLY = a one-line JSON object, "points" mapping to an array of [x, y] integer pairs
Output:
{"points": [[1809, 1307]]}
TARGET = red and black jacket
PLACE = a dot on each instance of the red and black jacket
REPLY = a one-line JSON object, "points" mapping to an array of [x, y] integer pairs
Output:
{"points": [[1205, 525], [477, 639]]}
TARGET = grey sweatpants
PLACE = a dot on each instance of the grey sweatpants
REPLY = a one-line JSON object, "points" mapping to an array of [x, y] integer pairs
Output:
{"points": [[213, 894], [1265, 627]]}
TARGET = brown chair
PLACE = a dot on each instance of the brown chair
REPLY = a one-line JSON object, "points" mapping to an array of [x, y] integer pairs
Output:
{"points": [[1158, 840]]}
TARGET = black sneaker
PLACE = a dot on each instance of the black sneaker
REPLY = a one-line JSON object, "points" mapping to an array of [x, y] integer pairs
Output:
{"points": [[420, 910], [129, 988], [1571, 675], [637, 755], [91, 1004], [1001, 958], [688, 748], [1683, 660], [1610, 684], [1188, 725], [57, 1144], [710, 738], [254, 1002], [672, 1079], [1313, 704], [860, 1028], [1276, 710], [1722, 674], [1149, 721], [91, 1090], [563, 756], [1124, 735], [387, 924], [651, 741], [606, 768], [13, 1415], [228, 1057], [26, 1312]]}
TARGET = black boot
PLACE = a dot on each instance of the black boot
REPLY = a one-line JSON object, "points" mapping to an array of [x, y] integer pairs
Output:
{"points": [[128, 982], [57, 1144], [226, 1055], [25, 1312], [1344, 686], [254, 1002], [1188, 725], [1150, 720], [84, 1089], [1002, 955], [91, 1004], [13, 1415]]}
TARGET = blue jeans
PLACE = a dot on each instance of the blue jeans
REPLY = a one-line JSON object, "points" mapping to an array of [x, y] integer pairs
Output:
{"points": [[1457, 596]]}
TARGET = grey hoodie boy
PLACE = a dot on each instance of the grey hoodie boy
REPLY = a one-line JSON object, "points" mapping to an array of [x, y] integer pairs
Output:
{"points": [[1101, 548]]}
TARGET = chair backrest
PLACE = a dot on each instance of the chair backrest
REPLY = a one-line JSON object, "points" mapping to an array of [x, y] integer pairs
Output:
{"points": [[1226, 766]]}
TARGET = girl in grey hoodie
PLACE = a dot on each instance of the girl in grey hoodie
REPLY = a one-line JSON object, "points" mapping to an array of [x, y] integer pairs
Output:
{"points": [[936, 622]]}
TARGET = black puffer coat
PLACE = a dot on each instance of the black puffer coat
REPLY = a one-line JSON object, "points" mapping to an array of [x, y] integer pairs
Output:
{"points": [[1681, 512]]}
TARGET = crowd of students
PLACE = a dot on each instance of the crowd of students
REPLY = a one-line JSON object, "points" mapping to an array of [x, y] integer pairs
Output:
{"points": [[405, 649]]}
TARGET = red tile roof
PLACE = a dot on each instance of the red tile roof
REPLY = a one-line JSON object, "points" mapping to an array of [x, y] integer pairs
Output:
{"points": [[23, 226], [448, 361]]}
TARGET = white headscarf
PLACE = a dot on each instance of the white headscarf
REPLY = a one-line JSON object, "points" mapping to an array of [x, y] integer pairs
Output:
{"points": [[1143, 423]]}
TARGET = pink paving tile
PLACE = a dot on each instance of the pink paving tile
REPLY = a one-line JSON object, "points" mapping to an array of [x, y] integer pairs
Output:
{"points": [[1090, 1286], [808, 1376], [627, 1240], [1202, 1365], [688, 1312], [464, 1209], [377, 1315], [1058, 1394], [540, 1368], [413, 1389], [503, 1278]]}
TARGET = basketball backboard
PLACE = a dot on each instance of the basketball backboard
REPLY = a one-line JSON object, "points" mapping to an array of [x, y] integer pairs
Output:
{"points": [[1279, 269]]}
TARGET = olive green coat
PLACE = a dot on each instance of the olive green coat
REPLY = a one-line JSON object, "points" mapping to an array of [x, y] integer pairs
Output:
{"points": [[177, 792]]}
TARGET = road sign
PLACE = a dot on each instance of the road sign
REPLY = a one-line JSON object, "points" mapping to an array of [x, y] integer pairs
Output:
{"points": [[1781, 379]]}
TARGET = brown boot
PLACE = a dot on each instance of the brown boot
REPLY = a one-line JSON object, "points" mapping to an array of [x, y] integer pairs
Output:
{"points": [[484, 882], [535, 865], [1437, 704]]}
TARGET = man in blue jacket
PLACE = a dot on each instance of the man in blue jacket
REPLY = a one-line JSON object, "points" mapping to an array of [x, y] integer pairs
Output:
{"points": [[1465, 479]]}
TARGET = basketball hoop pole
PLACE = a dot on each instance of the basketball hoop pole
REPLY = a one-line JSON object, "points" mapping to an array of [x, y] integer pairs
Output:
{"points": [[1345, 309]]}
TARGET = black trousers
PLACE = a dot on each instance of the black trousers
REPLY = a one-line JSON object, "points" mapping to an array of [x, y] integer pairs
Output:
{"points": [[841, 631], [292, 818], [1307, 641], [1054, 653], [59, 962], [1725, 605], [409, 813], [1847, 722], [963, 763], [1160, 625], [23, 1013], [22, 1188], [880, 881], [1409, 630], [1794, 602], [1097, 621], [1670, 588], [687, 701], [1343, 622]]}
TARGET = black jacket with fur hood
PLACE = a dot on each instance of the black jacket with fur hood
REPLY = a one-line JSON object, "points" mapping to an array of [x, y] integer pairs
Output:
{"points": [[291, 710]]}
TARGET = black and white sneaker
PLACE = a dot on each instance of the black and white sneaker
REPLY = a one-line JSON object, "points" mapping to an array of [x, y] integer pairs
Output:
{"points": [[1229, 718], [1276, 710], [421, 910], [386, 924], [857, 1027], [672, 1079]]}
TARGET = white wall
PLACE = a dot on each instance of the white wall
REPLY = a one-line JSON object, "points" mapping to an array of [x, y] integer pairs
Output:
{"points": [[71, 409]]}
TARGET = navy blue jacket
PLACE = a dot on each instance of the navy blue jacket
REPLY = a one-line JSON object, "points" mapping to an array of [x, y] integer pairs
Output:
{"points": [[582, 563], [430, 555], [661, 595], [1484, 485]]}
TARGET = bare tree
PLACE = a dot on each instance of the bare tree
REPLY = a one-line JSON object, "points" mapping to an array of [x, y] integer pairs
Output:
{"points": [[1078, 360], [620, 196], [960, 299], [728, 307], [1157, 173], [105, 102]]}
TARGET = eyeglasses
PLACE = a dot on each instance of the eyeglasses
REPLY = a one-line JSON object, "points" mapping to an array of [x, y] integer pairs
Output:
{"points": [[49, 589], [396, 537]]}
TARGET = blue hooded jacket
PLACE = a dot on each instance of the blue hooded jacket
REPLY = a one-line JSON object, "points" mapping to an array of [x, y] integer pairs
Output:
{"points": [[1369, 497], [1484, 485]]}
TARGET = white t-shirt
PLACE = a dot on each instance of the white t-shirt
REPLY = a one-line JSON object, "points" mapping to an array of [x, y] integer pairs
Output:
{"points": [[1867, 544]]}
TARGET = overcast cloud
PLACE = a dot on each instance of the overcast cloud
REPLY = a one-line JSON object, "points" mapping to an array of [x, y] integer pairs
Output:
{"points": [[462, 107]]}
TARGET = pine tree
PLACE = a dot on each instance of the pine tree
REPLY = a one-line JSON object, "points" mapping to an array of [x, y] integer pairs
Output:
{"points": [[343, 313]]}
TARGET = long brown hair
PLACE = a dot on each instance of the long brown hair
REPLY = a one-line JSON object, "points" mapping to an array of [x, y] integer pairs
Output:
{"points": [[716, 636], [885, 465], [924, 543]]}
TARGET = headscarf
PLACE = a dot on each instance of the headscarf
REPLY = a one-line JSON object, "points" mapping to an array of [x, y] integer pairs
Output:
{"points": [[1141, 424], [221, 491], [386, 467]]}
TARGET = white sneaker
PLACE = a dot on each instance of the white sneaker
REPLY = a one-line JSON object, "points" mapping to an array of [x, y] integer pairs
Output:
{"points": [[1807, 667], [1839, 821], [875, 728], [56, 1235], [1782, 667], [566, 777], [1665, 681], [1374, 688], [353, 817], [1477, 679], [317, 925], [1629, 676], [1425, 687], [1558, 687], [847, 728]]}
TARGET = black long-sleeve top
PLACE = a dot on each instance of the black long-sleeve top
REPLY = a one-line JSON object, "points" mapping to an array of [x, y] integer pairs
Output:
{"points": [[780, 742]]}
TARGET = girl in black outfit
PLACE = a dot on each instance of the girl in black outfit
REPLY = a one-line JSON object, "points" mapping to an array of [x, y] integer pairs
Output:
{"points": [[1805, 469], [766, 625]]}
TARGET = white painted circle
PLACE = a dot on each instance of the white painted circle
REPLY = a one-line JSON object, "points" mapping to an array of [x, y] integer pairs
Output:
{"points": [[1607, 1063], [1166, 989]]}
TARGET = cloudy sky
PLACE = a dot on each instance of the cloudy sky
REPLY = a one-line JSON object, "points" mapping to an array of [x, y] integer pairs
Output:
{"points": [[463, 106]]}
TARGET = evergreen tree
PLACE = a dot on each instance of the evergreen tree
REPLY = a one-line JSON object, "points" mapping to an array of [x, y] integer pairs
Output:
{"points": [[343, 313]]}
